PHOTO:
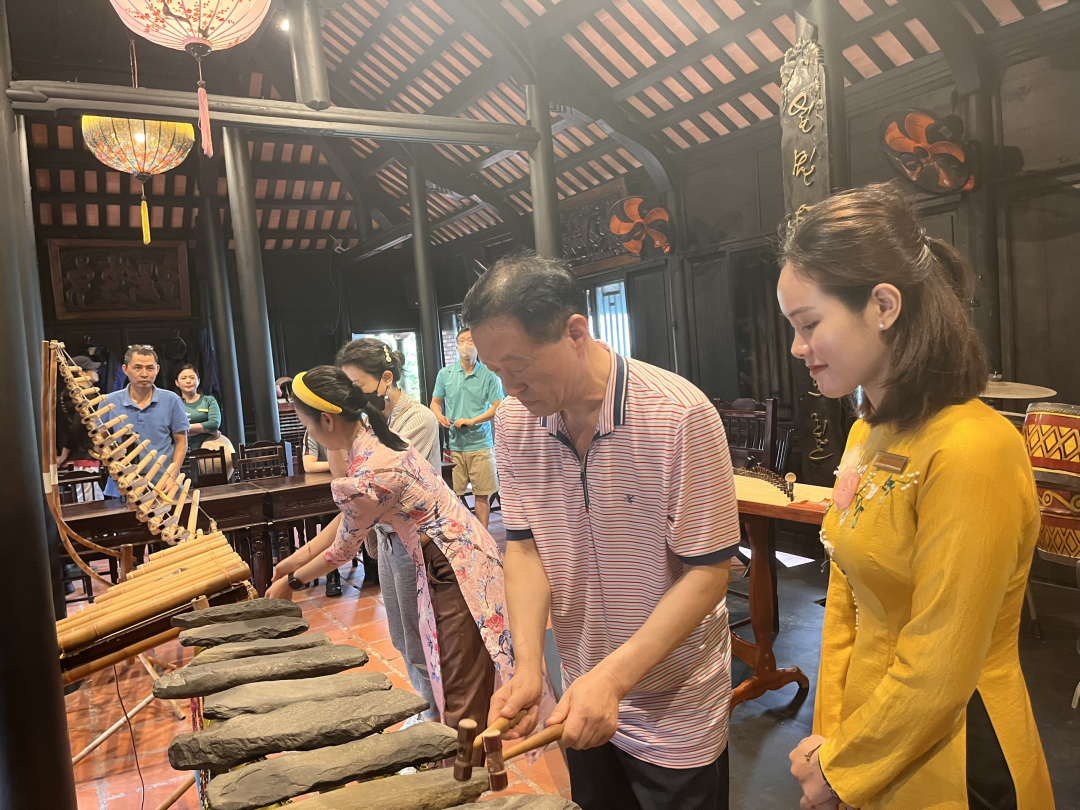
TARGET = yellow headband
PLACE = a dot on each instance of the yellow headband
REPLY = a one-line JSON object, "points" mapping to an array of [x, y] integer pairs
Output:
{"points": [[310, 398]]}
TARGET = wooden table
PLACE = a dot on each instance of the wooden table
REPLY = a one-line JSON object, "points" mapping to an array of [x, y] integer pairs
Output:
{"points": [[755, 517]]}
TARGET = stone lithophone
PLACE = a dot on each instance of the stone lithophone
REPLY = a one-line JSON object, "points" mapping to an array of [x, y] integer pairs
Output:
{"points": [[241, 611], [262, 646], [212, 635], [262, 784], [296, 727], [212, 678], [427, 790], [260, 698]]}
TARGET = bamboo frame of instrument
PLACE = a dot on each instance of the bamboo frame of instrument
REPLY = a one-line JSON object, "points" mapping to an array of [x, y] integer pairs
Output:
{"points": [[185, 550], [222, 558], [125, 614], [88, 669], [206, 571]]}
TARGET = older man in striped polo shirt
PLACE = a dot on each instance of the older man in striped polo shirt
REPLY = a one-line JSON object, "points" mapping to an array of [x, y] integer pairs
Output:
{"points": [[620, 509]]}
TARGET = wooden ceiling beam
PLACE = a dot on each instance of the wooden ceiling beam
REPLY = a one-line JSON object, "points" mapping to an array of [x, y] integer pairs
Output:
{"points": [[339, 78], [403, 233], [82, 198], [561, 19], [568, 164], [422, 63]]}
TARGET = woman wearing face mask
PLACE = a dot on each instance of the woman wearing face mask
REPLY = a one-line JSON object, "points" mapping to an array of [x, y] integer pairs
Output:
{"points": [[920, 698], [460, 607], [202, 409], [371, 364]]}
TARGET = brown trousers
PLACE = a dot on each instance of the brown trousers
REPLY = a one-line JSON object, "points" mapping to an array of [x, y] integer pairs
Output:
{"points": [[468, 674]]}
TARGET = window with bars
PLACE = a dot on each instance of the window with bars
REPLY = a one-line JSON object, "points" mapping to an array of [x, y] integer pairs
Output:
{"points": [[609, 317]]}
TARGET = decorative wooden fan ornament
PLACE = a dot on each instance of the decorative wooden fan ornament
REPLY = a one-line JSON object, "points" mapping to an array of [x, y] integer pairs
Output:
{"points": [[928, 151], [640, 231]]}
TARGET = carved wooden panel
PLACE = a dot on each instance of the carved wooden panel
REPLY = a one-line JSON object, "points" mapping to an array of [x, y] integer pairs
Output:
{"points": [[106, 279], [587, 241]]}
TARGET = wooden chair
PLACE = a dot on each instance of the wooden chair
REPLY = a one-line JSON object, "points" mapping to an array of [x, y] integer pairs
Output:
{"points": [[752, 440], [79, 485], [751, 431], [262, 460], [206, 467]]}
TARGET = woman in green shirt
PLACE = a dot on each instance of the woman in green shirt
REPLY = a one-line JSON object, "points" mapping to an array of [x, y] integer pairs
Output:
{"points": [[202, 409]]}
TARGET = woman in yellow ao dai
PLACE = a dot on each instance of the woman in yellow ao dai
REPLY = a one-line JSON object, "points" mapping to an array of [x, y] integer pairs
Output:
{"points": [[921, 702]]}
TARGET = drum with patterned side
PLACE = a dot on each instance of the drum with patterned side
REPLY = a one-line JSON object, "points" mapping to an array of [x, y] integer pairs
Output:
{"points": [[1052, 435]]}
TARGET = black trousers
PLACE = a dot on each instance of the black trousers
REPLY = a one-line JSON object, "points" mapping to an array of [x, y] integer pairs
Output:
{"points": [[990, 785], [607, 778]]}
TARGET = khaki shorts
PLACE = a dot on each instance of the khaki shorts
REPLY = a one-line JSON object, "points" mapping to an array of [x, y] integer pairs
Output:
{"points": [[476, 467]]}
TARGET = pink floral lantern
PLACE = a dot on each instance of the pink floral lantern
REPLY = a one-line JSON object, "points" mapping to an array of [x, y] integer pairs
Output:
{"points": [[195, 26]]}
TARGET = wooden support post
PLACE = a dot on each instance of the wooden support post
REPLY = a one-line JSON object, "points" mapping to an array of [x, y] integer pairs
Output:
{"points": [[127, 560], [35, 768], [249, 270], [430, 334], [308, 62], [545, 192], [213, 244]]}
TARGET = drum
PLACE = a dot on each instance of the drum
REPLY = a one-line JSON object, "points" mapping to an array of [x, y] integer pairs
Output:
{"points": [[1052, 436]]}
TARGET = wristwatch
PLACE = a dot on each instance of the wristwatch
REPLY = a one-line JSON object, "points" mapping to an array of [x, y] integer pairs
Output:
{"points": [[296, 584]]}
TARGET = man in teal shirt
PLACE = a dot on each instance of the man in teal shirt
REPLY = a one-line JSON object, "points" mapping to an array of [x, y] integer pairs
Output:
{"points": [[465, 399]]}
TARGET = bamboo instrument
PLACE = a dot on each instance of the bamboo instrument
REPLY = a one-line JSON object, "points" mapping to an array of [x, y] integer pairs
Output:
{"points": [[220, 557], [88, 669], [216, 539], [147, 606], [178, 578]]}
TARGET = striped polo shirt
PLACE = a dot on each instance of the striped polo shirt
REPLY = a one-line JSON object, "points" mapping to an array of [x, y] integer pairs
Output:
{"points": [[615, 532]]}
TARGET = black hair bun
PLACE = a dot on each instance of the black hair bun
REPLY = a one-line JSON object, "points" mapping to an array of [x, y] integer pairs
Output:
{"points": [[399, 358]]}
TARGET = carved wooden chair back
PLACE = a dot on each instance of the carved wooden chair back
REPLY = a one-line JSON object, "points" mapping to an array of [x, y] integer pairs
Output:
{"points": [[206, 467], [262, 460], [751, 431]]}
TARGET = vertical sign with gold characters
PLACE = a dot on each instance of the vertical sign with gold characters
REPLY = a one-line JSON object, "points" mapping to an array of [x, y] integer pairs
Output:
{"points": [[805, 146]]}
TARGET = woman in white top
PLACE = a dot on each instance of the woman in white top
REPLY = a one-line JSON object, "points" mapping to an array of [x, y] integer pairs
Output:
{"points": [[374, 367]]}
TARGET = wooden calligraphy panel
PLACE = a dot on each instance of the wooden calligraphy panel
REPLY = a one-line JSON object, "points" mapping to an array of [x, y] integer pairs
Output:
{"points": [[805, 146], [96, 278]]}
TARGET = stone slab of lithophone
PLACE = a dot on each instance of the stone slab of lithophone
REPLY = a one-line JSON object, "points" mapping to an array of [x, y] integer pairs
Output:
{"points": [[296, 727], [260, 698], [238, 612], [262, 646], [212, 635], [265, 783], [530, 803], [427, 790], [212, 678]]}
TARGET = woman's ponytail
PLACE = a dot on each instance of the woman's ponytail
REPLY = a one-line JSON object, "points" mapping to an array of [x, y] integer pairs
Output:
{"points": [[370, 405]]}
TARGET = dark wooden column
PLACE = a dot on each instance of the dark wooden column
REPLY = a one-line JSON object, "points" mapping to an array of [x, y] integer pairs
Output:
{"points": [[213, 246], [680, 314], [308, 62], [545, 193], [35, 757], [430, 334], [824, 14], [249, 271]]}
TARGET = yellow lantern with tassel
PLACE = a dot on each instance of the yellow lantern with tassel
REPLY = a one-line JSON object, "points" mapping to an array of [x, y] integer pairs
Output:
{"points": [[139, 148]]}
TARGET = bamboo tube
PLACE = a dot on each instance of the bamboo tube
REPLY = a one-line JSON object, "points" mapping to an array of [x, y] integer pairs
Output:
{"points": [[146, 607], [220, 557], [88, 669], [127, 592], [193, 514], [100, 412], [175, 517], [101, 441], [118, 461], [210, 539], [104, 426], [181, 577], [79, 757], [177, 794]]}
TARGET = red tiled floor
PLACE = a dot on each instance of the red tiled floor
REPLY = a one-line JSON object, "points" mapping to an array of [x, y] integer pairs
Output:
{"points": [[107, 778]]}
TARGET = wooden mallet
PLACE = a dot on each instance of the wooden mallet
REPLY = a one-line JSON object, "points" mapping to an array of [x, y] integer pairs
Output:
{"points": [[496, 765], [463, 764]]}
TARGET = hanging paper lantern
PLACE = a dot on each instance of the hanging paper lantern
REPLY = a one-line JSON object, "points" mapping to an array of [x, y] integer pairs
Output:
{"points": [[195, 26], [139, 148]]}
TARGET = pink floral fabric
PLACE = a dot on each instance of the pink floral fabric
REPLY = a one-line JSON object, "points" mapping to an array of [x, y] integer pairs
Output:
{"points": [[403, 490]]}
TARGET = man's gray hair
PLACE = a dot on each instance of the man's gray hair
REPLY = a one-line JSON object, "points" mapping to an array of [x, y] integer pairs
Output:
{"points": [[140, 348], [538, 292]]}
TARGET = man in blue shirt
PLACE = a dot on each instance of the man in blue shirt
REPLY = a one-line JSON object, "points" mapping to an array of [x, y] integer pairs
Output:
{"points": [[465, 399], [153, 413]]}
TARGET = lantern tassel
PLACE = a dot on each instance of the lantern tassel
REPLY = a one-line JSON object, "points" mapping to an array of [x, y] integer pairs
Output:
{"points": [[204, 117], [145, 220]]}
